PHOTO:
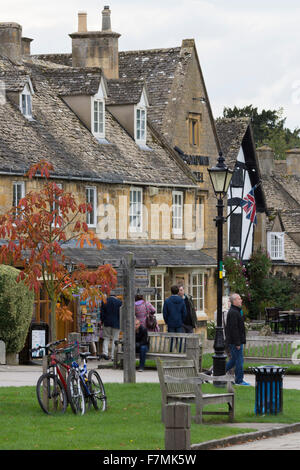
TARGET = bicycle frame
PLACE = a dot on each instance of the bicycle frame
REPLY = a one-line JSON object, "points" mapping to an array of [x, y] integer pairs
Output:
{"points": [[82, 376], [56, 370]]}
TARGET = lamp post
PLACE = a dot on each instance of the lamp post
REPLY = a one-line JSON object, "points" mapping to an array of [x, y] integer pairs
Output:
{"points": [[220, 177]]}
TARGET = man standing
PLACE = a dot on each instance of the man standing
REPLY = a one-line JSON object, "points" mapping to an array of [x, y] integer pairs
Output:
{"points": [[190, 321], [174, 312], [236, 338], [110, 317]]}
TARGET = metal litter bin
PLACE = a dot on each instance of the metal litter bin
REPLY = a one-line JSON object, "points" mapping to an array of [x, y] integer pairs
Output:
{"points": [[268, 389]]}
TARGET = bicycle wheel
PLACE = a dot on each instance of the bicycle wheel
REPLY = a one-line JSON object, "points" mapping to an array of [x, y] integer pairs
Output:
{"points": [[98, 396], [75, 393], [51, 394]]}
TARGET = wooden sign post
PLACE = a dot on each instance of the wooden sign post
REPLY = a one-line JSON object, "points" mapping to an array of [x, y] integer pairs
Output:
{"points": [[133, 278], [128, 316]]}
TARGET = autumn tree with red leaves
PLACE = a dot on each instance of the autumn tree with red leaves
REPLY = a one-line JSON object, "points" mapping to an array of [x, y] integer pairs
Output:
{"points": [[36, 232]]}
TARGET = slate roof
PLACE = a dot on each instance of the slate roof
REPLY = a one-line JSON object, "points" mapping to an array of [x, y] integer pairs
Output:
{"points": [[56, 134], [159, 67], [231, 132], [164, 255], [125, 91]]}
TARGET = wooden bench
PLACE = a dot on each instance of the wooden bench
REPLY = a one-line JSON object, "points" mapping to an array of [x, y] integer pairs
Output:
{"points": [[181, 382], [167, 346], [269, 350]]}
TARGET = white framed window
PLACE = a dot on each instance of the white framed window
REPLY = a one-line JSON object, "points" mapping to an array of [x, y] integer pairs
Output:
{"points": [[99, 118], [18, 193], [157, 299], [196, 290], [140, 123], [177, 212], [91, 198], [276, 245], [26, 102], [98, 111], [136, 210]]}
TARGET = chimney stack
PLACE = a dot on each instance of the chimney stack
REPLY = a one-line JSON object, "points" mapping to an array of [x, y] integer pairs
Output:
{"points": [[293, 161], [96, 48], [10, 42], [265, 157]]}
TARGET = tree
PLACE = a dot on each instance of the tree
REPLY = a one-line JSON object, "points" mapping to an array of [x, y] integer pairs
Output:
{"points": [[268, 128], [36, 232], [16, 305]]}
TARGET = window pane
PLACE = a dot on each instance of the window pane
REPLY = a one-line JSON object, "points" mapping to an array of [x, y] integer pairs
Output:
{"points": [[24, 104]]}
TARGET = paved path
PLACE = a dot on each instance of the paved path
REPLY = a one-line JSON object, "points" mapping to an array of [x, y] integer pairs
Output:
{"points": [[287, 442], [19, 376]]}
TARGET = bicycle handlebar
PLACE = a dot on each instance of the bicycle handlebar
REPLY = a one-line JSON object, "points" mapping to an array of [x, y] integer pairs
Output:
{"points": [[49, 345]]}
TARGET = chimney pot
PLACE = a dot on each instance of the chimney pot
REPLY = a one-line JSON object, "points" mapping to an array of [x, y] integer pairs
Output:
{"points": [[82, 22], [266, 160], [293, 161], [26, 46], [106, 23]]}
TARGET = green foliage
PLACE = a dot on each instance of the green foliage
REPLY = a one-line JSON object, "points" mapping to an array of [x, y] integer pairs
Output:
{"points": [[268, 128], [211, 329], [258, 287], [235, 276], [16, 307]]}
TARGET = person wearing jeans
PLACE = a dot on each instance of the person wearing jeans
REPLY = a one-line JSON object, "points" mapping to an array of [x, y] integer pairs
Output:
{"points": [[235, 338], [141, 343]]}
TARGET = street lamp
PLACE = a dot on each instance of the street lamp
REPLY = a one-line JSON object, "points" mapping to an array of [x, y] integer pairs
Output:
{"points": [[220, 177]]}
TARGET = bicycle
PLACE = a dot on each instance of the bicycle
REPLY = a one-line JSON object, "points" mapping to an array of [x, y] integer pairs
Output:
{"points": [[89, 383], [51, 387]]}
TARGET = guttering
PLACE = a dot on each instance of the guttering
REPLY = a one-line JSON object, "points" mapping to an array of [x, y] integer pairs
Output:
{"points": [[99, 180]]}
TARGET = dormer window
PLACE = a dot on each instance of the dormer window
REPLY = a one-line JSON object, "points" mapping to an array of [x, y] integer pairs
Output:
{"points": [[26, 101], [98, 112], [276, 245], [140, 121]]}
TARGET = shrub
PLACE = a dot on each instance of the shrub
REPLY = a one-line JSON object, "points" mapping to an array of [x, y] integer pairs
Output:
{"points": [[211, 329], [16, 307]]}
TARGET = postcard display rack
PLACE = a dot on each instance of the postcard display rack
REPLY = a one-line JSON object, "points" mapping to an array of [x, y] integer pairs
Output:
{"points": [[90, 323]]}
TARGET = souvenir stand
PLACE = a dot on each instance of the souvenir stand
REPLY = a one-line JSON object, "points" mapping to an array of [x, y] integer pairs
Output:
{"points": [[90, 327]]}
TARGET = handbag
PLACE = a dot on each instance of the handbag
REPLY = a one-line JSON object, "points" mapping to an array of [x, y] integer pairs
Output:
{"points": [[151, 322]]}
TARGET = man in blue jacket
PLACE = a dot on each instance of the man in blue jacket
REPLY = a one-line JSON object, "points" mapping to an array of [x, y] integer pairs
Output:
{"points": [[174, 311], [110, 318]]}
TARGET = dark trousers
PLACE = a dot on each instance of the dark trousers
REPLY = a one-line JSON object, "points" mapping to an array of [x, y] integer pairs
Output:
{"points": [[237, 361], [142, 349], [178, 329]]}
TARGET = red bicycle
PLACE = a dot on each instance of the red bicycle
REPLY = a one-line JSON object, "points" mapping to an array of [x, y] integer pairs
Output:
{"points": [[51, 387]]}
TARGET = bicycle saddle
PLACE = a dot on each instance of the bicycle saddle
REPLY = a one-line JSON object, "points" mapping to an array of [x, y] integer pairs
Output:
{"points": [[85, 354]]}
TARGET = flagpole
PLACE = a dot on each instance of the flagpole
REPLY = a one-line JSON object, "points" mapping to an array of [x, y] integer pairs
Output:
{"points": [[245, 244]]}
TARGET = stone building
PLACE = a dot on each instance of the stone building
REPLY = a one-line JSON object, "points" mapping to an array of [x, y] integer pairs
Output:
{"points": [[103, 119], [279, 231]]}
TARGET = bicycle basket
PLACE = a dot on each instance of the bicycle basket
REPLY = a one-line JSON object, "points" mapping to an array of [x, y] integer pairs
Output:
{"points": [[69, 354]]}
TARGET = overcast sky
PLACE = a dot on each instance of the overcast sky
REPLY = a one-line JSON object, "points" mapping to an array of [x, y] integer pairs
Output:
{"points": [[249, 51]]}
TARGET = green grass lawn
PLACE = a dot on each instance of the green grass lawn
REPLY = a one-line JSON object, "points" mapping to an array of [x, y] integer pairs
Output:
{"points": [[132, 421]]}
